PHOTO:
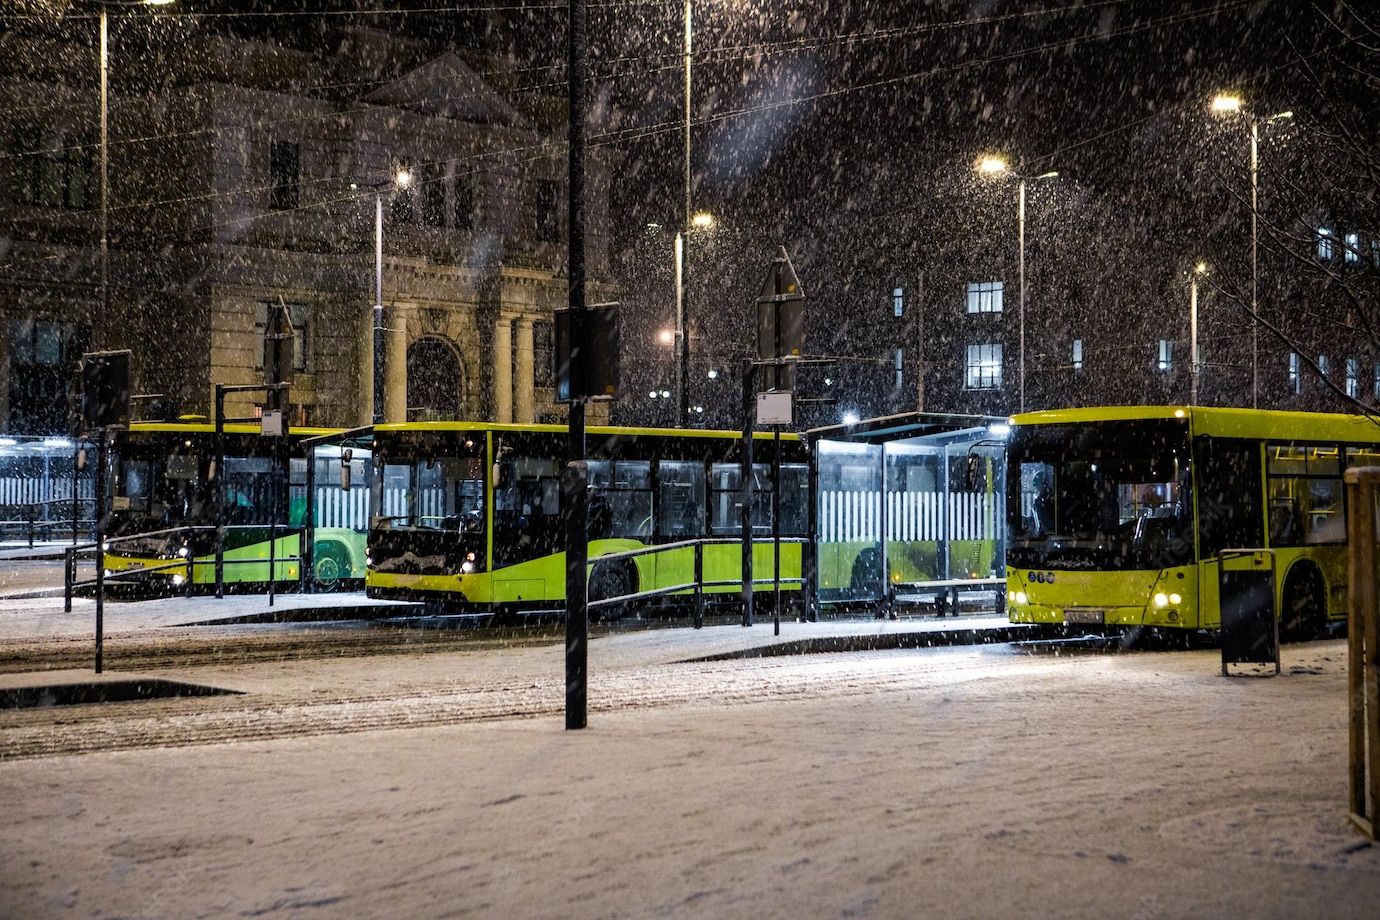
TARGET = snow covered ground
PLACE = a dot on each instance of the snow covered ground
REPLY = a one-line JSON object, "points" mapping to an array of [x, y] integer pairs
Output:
{"points": [[993, 781]]}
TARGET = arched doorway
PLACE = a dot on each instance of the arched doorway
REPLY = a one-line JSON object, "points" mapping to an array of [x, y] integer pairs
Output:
{"points": [[435, 382]]}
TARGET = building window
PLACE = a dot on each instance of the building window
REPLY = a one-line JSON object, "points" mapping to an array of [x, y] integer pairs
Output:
{"points": [[982, 369], [1353, 247], [1353, 377], [51, 170], [1165, 362], [284, 175], [548, 211], [900, 361], [1078, 354], [298, 313], [1323, 369], [432, 180], [1377, 380], [1326, 243], [984, 297], [1294, 372], [41, 356], [543, 354], [898, 302], [464, 199]]}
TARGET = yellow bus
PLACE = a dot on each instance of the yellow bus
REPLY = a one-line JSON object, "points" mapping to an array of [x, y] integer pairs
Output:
{"points": [[467, 515], [161, 533], [1116, 516]]}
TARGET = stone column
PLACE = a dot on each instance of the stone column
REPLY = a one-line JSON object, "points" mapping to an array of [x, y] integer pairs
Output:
{"points": [[525, 385], [503, 368], [395, 365]]}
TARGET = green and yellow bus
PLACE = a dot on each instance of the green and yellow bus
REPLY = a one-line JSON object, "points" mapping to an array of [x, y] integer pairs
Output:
{"points": [[161, 533], [1117, 516], [467, 515]]}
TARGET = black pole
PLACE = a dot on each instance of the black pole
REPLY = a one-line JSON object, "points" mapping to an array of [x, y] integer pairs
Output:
{"points": [[776, 530], [749, 409], [218, 485], [100, 550], [574, 504]]}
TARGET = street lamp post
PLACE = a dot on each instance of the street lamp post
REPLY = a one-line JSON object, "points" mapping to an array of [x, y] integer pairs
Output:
{"points": [[1195, 365], [682, 333], [400, 180], [998, 165], [1230, 104]]}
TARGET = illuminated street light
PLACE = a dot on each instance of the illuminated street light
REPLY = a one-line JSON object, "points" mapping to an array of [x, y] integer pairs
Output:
{"points": [[1225, 104], [993, 166], [401, 180], [1195, 364]]}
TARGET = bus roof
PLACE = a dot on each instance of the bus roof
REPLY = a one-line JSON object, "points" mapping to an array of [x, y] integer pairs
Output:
{"points": [[561, 429], [1270, 424], [206, 427]]}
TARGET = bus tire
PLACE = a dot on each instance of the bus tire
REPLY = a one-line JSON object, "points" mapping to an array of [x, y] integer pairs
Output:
{"points": [[611, 579], [1303, 612], [330, 567]]}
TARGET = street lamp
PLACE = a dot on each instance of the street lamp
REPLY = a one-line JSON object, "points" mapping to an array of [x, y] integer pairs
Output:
{"points": [[402, 179], [105, 143], [700, 221], [1227, 105], [993, 165], [1199, 270]]}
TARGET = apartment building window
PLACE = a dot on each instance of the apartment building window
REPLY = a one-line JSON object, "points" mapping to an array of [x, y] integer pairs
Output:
{"points": [[982, 367], [1353, 377], [984, 297], [1324, 368], [464, 199], [548, 211], [1165, 362], [298, 314], [1296, 373], [1353, 247], [1078, 354], [1376, 385], [432, 181], [1327, 243], [898, 302], [284, 175], [50, 170], [900, 362]]}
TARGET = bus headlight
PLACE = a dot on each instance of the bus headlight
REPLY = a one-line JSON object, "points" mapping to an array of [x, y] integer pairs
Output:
{"points": [[178, 580], [1175, 599], [1021, 597], [1161, 599]]}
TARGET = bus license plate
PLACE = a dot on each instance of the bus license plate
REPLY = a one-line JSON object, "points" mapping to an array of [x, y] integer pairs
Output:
{"points": [[1083, 615]]}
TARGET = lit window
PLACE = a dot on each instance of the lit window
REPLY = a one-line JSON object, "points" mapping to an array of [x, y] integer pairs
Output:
{"points": [[1377, 380], [1323, 368], [900, 360], [1326, 243], [984, 297], [1166, 358], [898, 302], [1078, 354], [982, 370], [1295, 375], [1353, 377], [1353, 247]]}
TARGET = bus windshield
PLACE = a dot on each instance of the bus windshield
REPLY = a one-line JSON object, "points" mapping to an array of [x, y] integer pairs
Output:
{"points": [[1108, 496]]}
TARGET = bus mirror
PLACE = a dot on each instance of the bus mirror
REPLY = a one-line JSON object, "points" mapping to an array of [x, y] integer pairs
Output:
{"points": [[344, 474], [974, 471], [81, 459], [347, 455]]}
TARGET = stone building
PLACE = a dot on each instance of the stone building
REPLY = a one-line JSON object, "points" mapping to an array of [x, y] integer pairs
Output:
{"points": [[245, 174]]}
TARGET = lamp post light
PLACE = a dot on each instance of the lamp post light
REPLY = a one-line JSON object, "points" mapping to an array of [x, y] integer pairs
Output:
{"points": [[700, 221], [1228, 104], [1195, 364], [401, 179], [994, 165]]}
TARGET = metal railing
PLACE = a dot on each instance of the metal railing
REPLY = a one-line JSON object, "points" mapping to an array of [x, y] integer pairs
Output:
{"points": [[698, 584], [1363, 648], [34, 518]]}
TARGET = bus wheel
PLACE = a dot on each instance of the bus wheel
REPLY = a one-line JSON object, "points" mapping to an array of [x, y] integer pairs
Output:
{"points": [[610, 579], [329, 569], [1304, 613]]}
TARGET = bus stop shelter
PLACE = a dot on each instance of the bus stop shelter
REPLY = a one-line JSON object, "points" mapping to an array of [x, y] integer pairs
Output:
{"points": [[909, 509]]}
